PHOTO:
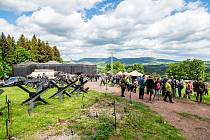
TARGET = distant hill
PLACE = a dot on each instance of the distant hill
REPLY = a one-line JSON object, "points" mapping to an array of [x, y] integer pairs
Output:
{"points": [[150, 64], [127, 61]]}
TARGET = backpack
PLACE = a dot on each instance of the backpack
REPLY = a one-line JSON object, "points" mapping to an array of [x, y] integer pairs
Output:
{"points": [[201, 87], [158, 86], [123, 83]]}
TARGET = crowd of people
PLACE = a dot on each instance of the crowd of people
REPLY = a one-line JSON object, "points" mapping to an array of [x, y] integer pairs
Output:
{"points": [[157, 87]]}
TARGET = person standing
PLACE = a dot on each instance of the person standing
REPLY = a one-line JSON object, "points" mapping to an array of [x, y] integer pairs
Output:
{"points": [[102, 80], [141, 82], [135, 84], [163, 82], [157, 88], [201, 89], [206, 89], [180, 87], [168, 93], [173, 86], [189, 88], [150, 84], [129, 84], [123, 84]]}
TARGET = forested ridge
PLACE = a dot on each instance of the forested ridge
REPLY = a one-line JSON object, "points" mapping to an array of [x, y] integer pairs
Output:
{"points": [[15, 52]]}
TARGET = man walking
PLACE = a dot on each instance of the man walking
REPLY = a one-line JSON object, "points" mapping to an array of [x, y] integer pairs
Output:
{"points": [[141, 83], [150, 84]]}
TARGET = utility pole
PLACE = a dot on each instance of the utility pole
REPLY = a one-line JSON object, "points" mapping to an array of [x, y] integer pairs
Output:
{"points": [[111, 62]]}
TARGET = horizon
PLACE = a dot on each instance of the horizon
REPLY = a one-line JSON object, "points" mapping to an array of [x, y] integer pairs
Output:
{"points": [[132, 58], [175, 29]]}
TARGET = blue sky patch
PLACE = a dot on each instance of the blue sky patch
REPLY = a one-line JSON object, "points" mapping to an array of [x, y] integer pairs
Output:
{"points": [[11, 17], [100, 8]]}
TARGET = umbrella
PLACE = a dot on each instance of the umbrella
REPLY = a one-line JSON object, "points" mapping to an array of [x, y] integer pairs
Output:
{"points": [[136, 73]]}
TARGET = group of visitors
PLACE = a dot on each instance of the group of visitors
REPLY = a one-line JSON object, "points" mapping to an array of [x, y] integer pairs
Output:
{"points": [[155, 87]]}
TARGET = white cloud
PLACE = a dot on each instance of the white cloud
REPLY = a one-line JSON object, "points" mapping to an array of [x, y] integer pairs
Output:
{"points": [[18, 5], [165, 29]]}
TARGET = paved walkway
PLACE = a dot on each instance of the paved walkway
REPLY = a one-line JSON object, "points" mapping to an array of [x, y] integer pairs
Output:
{"points": [[192, 129]]}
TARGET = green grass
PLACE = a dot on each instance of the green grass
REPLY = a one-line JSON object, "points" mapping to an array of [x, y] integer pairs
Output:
{"points": [[194, 116], [206, 98], [137, 122], [43, 115]]}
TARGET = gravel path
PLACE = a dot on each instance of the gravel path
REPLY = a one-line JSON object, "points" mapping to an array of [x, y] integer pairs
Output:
{"points": [[192, 129]]}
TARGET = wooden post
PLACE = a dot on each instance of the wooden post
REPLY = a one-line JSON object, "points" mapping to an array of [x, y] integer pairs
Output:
{"points": [[106, 86], [83, 101], [115, 116], [8, 122], [130, 98]]}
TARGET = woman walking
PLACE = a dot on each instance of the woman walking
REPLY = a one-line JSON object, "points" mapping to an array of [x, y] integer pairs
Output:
{"points": [[157, 89]]}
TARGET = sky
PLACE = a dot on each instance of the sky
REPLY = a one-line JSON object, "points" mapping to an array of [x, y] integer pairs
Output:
{"points": [[168, 29]]}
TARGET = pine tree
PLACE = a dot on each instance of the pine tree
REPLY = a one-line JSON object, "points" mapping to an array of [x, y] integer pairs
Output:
{"points": [[14, 53], [12, 46], [34, 51], [5, 49], [56, 54], [22, 42]]}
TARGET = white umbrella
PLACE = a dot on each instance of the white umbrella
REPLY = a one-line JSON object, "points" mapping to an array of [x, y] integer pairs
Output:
{"points": [[136, 73]]}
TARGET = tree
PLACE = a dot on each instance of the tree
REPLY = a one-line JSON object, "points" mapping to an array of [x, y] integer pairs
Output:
{"points": [[56, 54], [137, 67], [21, 55], [34, 51], [5, 53], [15, 53], [117, 66], [22, 42], [189, 69]]}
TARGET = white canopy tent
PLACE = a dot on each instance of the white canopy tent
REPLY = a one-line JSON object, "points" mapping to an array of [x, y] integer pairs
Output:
{"points": [[136, 73], [48, 72], [126, 73]]}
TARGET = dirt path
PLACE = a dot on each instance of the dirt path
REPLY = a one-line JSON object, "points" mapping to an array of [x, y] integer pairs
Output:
{"points": [[192, 129]]}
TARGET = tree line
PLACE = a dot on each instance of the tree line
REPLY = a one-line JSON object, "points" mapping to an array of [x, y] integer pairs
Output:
{"points": [[15, 52], [118, 66], [188, 69]]}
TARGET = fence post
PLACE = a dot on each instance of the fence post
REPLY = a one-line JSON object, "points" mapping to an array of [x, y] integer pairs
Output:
{"points": [[83, 101], [130, 98], [8, 121], [106, 82], [115, 116], [6, 99]]}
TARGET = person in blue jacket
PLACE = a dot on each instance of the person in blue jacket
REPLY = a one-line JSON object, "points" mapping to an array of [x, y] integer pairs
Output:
{"points": [[141, 82]]}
